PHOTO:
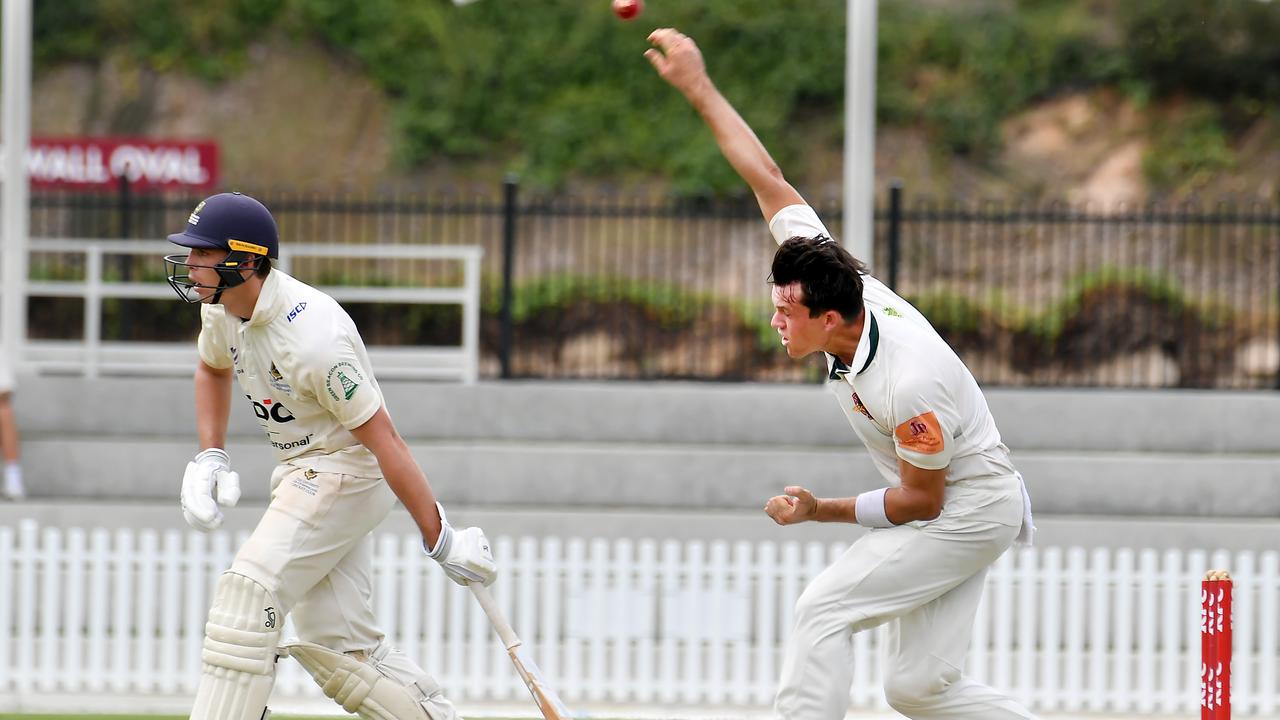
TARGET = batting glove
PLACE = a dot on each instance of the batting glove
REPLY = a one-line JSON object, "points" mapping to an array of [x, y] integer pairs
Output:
{"points": [[209, 473], [464, 554]]}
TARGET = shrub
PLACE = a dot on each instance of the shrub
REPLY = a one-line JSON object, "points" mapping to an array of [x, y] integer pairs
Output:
{"points": [[1221, 49], [1188, 149]]}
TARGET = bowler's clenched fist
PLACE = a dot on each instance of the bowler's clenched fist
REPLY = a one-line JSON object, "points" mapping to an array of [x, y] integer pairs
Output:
{"points": [[797, 505]]}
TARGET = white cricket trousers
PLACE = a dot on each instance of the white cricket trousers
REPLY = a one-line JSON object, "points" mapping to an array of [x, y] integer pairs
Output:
{"points": [[925, 579], [314, 551]]}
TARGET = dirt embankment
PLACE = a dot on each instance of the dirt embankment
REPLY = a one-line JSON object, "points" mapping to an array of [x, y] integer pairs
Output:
{"points": [[299, 118], [295, 118]]}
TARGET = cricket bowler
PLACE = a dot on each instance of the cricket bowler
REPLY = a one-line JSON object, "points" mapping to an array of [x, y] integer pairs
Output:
{"points": [[954, 501]]}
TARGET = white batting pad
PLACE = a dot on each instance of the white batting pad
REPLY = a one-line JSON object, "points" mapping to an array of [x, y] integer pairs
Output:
{"points": [[239, 651], [384, 685]]}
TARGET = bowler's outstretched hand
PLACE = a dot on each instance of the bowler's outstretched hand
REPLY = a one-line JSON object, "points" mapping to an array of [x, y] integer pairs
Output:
{"points": [[677, 59], [796, 506]]}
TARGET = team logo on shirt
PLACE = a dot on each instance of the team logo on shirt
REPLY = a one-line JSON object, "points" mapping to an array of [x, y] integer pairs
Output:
{"points": [[343, 381], [306, 484], [277, 380], [857, 405], [922, 434]]}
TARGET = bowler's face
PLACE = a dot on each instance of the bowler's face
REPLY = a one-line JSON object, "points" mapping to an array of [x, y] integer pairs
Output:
{"points": [[801, 334]]}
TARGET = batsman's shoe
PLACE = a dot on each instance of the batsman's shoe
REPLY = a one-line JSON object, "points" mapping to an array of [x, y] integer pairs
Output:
{"points": [[12, 488]]}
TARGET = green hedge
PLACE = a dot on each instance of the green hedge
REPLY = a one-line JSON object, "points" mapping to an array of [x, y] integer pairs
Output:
{"points": [[558, 89], [1105, 296], [1104, 314]]}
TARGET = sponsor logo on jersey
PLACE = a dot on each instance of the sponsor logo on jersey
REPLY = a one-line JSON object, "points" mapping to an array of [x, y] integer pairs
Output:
{"points": [[297, 309], [891, 312], [343, 381], [922, 434], [270, 410], [292, 444]]}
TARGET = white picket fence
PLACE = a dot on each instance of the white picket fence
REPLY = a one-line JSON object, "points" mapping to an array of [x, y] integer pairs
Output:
{"points": [[650, 623]]}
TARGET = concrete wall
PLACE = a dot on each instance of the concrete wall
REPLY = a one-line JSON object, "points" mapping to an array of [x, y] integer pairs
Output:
{"points": [[1207, 460]]}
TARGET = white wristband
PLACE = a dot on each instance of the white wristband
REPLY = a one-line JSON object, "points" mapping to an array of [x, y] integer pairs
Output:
{"points": [[869, 509], [216, 456], [443, 541]]}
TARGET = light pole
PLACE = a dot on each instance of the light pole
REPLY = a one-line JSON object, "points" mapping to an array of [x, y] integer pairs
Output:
{"points": [[15, 123], [860, 129]]}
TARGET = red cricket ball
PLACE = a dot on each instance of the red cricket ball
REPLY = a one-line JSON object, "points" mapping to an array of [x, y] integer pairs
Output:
{"points": [[627, 9]]}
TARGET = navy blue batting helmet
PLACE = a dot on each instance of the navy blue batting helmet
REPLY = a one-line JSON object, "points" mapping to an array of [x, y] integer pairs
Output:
{"points": [[233, 222]]}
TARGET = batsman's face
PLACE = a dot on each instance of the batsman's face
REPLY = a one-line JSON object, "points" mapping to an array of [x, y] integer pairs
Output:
{"points": [[800, 334], [200, 262]]}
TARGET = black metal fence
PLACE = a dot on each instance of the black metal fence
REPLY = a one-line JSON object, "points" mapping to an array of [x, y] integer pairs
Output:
{"points": [[611, 287]]}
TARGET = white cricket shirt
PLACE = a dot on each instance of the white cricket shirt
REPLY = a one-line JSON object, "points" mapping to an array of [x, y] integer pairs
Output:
{"points": [[301, 363], [907, 394]]}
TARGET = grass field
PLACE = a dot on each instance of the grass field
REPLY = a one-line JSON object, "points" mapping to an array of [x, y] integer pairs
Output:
{"points": [[122, 716], [4, 716], [125, 716]]}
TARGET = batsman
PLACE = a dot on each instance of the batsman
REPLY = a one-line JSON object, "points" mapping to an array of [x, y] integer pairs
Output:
{"points": [[301, 364], [953, 502]]}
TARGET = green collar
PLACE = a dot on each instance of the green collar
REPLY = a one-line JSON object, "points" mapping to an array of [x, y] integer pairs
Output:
{"points": [[874, 339], [838, 367]]}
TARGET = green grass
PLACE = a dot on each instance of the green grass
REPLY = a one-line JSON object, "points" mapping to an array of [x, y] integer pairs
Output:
{"points": [[121, 716]]}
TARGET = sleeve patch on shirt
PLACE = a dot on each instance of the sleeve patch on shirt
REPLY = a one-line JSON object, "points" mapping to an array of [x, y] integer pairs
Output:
{"points": [[343, 381], [921, 434]]}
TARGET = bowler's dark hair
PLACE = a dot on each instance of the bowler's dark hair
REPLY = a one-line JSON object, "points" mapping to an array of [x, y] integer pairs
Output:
{"points": [[829, 277]]}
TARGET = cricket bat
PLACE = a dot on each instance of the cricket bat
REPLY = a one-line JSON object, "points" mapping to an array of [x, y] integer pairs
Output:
{"points": [[549, 702]]}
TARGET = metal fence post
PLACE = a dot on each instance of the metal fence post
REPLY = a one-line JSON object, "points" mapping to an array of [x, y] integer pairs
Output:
{"points": [[124, 203], [895, 232], [126, 306], [510, 188]]}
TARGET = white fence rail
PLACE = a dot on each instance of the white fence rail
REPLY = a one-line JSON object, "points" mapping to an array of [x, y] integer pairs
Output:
{"points": [[93, 356], [693, 623]]}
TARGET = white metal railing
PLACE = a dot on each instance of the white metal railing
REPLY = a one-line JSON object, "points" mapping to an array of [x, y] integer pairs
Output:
{"points": [[617, 621], [93, 356]]}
